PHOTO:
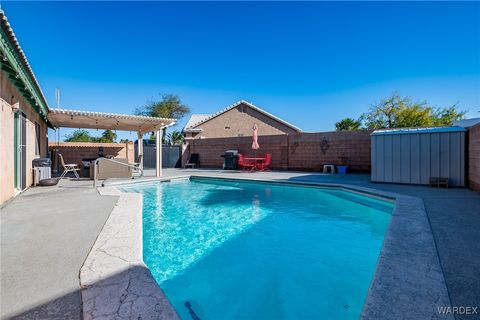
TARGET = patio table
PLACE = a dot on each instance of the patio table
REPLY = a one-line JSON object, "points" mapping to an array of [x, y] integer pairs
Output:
{"points": [[256, 161]]}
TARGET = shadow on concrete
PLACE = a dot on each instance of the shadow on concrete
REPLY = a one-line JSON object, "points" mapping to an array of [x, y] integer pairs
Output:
{"points": [[132, 293], [64, 307]]}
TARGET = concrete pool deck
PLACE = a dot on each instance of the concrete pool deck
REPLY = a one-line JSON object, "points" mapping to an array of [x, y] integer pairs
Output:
{"points": [[46, 234], [454, 216]]}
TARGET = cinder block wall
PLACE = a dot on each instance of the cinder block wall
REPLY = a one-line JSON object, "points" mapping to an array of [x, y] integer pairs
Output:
{"points": [[74, 152], [299, 151], [474, 157]]}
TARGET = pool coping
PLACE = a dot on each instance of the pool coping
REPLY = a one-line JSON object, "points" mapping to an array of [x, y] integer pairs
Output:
{"points": [[407, 283], [115, 282]]}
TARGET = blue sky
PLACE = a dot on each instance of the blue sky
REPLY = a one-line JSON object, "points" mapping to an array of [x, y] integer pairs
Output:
{"points": [[310, 63]]}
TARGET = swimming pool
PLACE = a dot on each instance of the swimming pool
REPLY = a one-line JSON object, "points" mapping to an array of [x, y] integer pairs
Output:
{"points": [[250, 250]]}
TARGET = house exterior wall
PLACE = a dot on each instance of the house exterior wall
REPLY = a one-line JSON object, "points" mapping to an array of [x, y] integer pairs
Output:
{"points": [[474, 157], [238, 122], [299, 151], [9, 96]]}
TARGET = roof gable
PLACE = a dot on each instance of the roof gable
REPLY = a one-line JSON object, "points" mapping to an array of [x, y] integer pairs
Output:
{"points": [[236, 104]]}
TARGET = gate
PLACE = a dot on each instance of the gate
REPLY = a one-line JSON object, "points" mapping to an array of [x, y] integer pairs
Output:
{"points": [[170, 155]]}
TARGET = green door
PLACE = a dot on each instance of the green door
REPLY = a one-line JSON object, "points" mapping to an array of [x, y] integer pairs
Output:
{"points": [[20, 151], [16, 149]]}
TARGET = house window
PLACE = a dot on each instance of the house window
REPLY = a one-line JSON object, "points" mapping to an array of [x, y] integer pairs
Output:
{"points": [[37, 138]]}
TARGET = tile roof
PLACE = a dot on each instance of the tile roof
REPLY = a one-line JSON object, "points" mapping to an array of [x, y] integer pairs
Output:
{"points": [[467, 123], [194, 119], [5, 25]]}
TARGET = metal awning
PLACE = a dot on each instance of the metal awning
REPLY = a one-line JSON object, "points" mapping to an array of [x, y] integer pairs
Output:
{"points": [[101, 120]]}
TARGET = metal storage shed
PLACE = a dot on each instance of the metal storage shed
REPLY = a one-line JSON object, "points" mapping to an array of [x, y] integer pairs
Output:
{"points": [[412, 156]]}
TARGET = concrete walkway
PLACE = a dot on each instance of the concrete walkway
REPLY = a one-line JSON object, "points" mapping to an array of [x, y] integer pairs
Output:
{"points": [[46, 234]]}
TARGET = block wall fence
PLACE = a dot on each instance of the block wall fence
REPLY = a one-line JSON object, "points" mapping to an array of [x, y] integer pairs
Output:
{"points": [[474, 158], [74, 152], [298, 151]]}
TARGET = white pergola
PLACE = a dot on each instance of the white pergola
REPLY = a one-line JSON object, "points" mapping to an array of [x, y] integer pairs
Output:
{"points": [[100, 120]]}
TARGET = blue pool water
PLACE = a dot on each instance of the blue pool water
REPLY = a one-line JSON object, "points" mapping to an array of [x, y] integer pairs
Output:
{"points": [[242, 250]]}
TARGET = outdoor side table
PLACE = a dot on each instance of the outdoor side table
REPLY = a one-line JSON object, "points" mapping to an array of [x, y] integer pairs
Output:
{"points": [[327, 167]]}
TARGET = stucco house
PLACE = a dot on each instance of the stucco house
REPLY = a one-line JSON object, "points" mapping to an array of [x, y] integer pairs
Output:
{"points": [[236, 120], [23, 116]]}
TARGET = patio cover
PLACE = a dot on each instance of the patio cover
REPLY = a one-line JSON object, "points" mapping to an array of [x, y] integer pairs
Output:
{"points": [[113, 121], [101, 120]]}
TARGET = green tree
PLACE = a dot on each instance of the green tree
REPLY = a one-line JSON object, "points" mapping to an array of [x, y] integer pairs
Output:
{"points": [[82, 135], [401, 112], [348, 124], [175, 138], [79, 135], [108, 136], [446, 116], [124, 140], [169, 106]]}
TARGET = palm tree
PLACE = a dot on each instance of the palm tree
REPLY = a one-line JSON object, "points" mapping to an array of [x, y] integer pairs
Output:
{"points": [[175, 138], [347, 124]]}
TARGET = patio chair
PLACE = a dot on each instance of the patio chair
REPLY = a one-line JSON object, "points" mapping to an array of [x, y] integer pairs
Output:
{"points": [[244, 164], [194, 161], [138, 163], [265, 164], [70, 167]]}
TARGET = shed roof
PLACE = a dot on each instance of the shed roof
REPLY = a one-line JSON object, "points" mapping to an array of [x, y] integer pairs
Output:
{"points": [[102, 120], [385, 132]]}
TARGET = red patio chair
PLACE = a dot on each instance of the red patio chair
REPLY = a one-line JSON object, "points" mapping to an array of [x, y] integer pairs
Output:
{"points": [[263, 166], [244, 164]]}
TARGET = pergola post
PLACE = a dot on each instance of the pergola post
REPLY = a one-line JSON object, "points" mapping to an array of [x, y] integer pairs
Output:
{"points": [[158, 141], [140, 147]]}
